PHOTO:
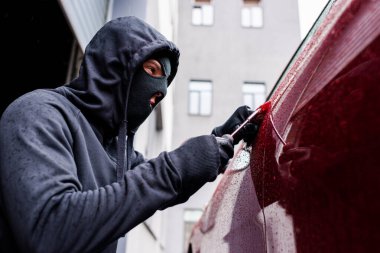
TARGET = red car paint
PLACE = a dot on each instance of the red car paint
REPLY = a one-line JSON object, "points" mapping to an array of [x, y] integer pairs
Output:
{"points": [[314, 176]]}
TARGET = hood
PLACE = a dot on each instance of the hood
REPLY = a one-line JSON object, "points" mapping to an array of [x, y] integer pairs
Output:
{"points": [[109, 63]]}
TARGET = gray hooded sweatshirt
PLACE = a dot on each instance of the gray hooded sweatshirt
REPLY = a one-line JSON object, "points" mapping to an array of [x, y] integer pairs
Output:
{"points": [[59, 156]]}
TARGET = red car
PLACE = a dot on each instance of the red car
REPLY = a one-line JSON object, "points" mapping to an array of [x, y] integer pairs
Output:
{"points": [[310, 181]]}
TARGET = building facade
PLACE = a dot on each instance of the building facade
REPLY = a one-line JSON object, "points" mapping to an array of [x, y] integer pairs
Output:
{"points": [[232, 53]]}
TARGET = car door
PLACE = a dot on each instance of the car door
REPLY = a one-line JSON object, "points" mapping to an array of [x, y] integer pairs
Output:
{"points": [[319, 177]]}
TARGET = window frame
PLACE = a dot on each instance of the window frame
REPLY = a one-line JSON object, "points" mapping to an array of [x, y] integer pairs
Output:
{"points": [[199, 105], [250, 6], [202, 5], [253, 94]]}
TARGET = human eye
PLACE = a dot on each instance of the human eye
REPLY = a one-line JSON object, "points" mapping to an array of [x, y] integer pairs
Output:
{"points": [[153, 68]]}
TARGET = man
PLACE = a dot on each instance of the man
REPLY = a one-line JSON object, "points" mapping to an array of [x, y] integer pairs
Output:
{"points": [[70, 178]]}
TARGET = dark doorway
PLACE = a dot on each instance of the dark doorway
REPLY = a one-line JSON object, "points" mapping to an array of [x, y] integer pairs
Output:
{"points": [[36, 45]]}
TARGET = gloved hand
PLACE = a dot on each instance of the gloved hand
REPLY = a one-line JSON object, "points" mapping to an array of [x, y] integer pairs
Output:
{"points": [[226, 150], [234, 121]]}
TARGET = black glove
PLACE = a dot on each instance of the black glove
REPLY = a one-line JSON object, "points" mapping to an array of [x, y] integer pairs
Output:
{"points": [[234, 121], [226, 150], [247, 133]]}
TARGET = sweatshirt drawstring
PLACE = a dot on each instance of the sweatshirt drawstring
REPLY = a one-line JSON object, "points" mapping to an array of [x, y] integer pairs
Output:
{"points": [[121, 150], [124, 151]]}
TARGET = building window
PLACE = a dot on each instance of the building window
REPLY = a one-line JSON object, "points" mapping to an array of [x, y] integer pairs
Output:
{"points": [[200, 97], [252, 14], [190, 217], [253, 94], [203, 12]]}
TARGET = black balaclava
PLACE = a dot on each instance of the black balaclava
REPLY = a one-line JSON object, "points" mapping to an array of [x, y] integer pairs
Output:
{"points": [[144, 86]]}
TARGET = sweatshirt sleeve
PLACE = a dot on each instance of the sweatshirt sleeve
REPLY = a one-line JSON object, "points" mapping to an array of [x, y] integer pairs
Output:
{"points": [[42, 200]]}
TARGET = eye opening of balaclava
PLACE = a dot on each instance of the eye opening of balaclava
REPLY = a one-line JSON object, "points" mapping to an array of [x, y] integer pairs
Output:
{"points": [[144, 87]]}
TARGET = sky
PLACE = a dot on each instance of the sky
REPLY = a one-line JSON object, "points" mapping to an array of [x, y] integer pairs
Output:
{"points": [[309, 10]]}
